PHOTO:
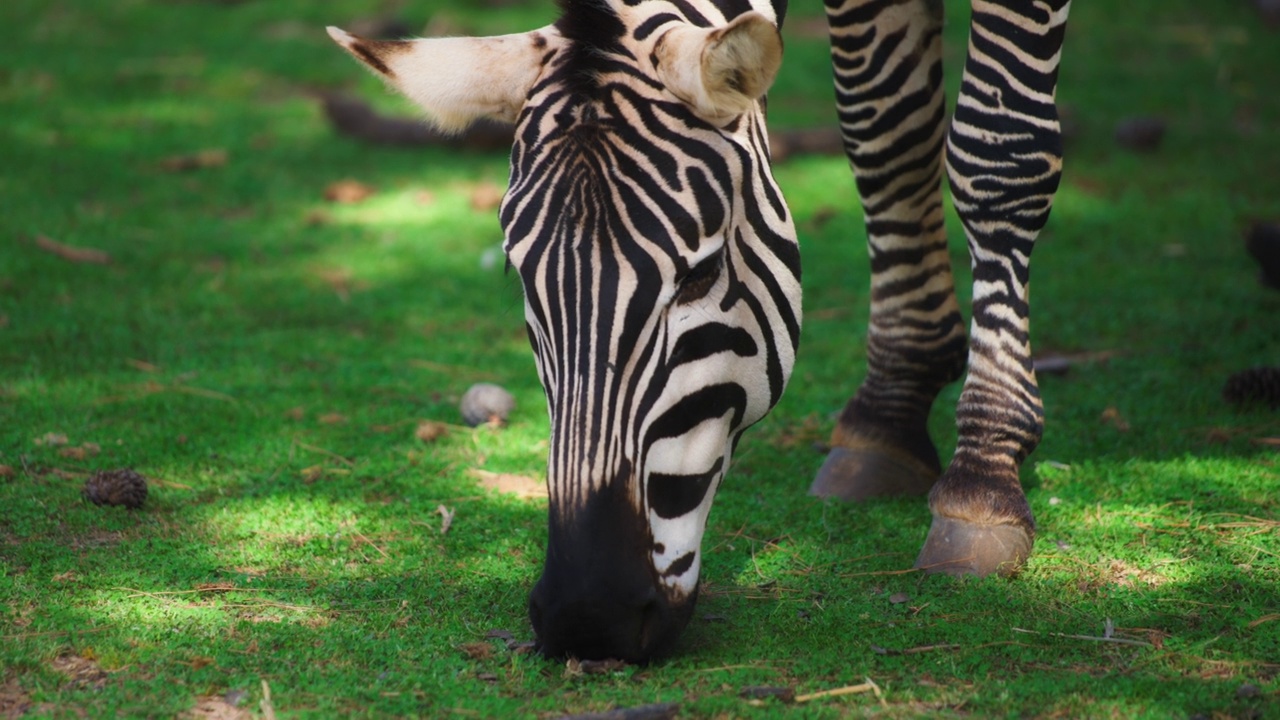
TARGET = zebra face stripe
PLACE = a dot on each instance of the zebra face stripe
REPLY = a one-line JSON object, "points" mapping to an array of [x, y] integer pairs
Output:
{"points": [[662, 297], [674, 495]]}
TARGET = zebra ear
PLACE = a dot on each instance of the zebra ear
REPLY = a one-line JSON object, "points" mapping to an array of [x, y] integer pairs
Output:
{"points": [[721, 72], [458, 80]]}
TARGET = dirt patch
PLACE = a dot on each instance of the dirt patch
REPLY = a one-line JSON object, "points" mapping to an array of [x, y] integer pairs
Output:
{"points": [[215, 708], [81, 671], [14, 702], [1118, 573], [95, 539]]}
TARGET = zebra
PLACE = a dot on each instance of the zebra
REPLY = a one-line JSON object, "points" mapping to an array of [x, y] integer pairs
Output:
{"points": [[661, 273]]}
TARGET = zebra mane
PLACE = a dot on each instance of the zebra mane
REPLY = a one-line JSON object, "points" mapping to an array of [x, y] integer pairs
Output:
{"points": [[595, 31]]}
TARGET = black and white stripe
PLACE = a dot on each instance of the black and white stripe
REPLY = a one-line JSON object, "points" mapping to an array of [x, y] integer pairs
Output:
{"points": [[661, 277]]}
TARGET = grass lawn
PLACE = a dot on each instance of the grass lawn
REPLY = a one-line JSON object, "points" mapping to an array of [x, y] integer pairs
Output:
{"points": [[265, 357]]}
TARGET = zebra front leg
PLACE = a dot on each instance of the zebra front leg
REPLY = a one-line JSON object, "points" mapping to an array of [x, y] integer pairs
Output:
{"points": [[1004, 158], [887, 58]]}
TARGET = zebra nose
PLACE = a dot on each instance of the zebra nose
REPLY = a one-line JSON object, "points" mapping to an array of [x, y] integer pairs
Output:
{"points": [[593, 623]]}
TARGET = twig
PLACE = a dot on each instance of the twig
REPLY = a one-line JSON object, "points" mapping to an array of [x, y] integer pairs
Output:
{"points": [[26, 636], [369, 542], [1092, 638], [268, 711], [867, 686], [218, 589], [269, 604], [746, 666], [911, 651], [322, 451], [134, 392], [908, 571]]}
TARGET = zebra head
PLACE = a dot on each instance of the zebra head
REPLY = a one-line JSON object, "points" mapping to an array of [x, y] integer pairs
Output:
{"points": [[661, 278]]}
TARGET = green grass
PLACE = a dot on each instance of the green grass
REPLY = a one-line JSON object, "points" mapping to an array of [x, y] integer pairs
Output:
{"points": [[264, 356]]}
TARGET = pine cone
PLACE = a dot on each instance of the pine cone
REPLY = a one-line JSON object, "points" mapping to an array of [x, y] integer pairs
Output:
{"points": [[116, 487], [1260, 385]]}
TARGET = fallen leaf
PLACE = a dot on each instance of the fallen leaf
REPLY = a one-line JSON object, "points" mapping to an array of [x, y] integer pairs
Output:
{"points": [[1267, 441], [446, 516], [1156, 638], [200, 661], [52, 439], [211, 158], [80, 453], [332, 419], [143, 365], [899, 598], [430, 431], [348, 191], [341, 281], [4, 321], [72, 253], [295, 413], [1111, 416], [7, 472], [68, 576], [519, 485], [486, 196], [477, 650]]}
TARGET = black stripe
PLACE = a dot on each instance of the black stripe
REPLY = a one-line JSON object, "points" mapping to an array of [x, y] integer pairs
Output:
{"points": [[712, 339], [672, 496], [696, 408], [681, 564]]}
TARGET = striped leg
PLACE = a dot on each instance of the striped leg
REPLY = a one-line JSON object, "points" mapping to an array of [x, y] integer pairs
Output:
{"points": [[887, 56], [1004, 158]]}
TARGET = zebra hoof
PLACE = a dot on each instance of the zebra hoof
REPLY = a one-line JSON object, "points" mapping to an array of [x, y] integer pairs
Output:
{"points": [[958, 547], [871, 471]]}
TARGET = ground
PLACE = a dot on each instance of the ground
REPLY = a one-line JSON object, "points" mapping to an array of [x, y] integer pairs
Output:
{"points": [[205, 283]]}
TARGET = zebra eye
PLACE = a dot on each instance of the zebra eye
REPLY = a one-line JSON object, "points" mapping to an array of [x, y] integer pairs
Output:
{"points": [[699, 280]]}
